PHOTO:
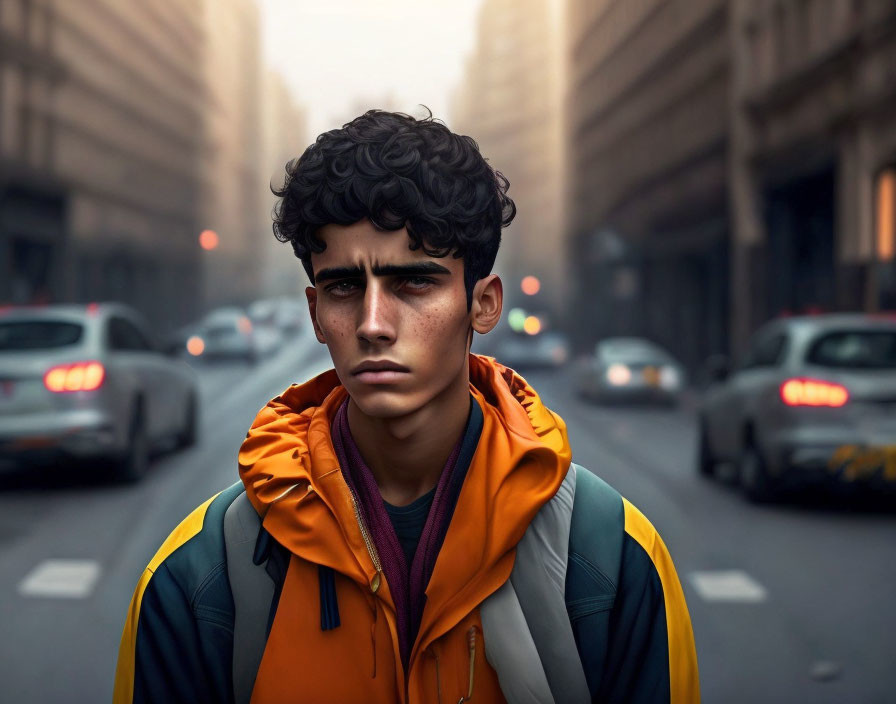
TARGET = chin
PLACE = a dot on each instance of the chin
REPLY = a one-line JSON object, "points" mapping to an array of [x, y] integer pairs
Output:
{"points": [[384, 404]]}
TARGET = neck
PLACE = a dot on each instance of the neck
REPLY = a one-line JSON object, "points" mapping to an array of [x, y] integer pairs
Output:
{"points": [[407, 454]]}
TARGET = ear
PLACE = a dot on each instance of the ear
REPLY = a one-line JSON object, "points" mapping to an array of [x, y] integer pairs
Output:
{"points": [[488, 302], [311, 295]]}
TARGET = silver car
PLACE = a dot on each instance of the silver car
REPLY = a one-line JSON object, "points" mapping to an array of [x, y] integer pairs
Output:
{"points": [[630, 369], [226, 333], [813, 399], [521, 352], [87, 382]]}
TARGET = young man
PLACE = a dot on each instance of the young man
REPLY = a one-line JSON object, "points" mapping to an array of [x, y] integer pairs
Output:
{"points": [[422, 531]]}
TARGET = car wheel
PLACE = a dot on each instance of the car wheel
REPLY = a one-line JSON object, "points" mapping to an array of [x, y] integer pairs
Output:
{"points": [[753, 475], [706, 464], [133, 465], [190, 432]]}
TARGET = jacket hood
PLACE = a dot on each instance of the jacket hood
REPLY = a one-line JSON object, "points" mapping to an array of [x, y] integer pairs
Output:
{"points": [[292, 477]]}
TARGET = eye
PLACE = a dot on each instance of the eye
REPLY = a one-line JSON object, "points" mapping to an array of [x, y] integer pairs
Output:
{"points": [[417, 283], [343, 288]]}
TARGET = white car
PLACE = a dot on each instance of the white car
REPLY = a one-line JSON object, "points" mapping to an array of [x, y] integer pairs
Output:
{"points": [[630, 369], [226, 333], [813, 399], [88, 382]]}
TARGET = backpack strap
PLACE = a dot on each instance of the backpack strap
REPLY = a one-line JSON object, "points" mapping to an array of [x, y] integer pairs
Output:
{"points": [[253, 592], [558, 599], [528, 636], [596, 535]]}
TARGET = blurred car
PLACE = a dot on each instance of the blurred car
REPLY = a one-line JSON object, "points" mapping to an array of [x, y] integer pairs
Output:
{"points": [[87, 382], [544, 350], [291, 315], [812, 399], [630, 369], [223, 333], [266, 329]]}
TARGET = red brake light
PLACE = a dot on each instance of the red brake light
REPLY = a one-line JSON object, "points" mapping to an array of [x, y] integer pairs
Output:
{"points": [[80, 376], [811, 392]]}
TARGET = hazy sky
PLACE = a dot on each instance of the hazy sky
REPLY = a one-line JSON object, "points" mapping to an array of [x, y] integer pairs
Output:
{"points": [[339, 54]]}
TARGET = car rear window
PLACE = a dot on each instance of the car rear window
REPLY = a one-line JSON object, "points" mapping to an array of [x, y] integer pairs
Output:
{"points": [[855, 349], [38, 334]]}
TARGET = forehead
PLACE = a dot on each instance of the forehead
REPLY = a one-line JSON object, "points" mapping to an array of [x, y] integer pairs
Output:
{"points": [[363, 245]]}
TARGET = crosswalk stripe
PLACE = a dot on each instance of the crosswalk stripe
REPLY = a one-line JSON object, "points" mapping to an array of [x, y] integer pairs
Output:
{"points": [[61, 579], [728, 585]]}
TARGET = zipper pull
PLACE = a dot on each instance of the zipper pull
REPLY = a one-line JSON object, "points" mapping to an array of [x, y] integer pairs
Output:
{"points": [[471, 640], [376, 581]]}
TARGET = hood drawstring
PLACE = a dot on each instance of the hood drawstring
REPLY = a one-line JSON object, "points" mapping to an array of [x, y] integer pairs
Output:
{"points": [[329, 605]]}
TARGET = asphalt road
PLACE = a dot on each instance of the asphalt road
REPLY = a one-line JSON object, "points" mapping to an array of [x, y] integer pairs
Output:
{"points": [[790, 603]]}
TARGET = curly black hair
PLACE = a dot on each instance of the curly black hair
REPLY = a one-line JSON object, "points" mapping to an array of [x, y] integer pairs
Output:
{"points": [[397, 171]]}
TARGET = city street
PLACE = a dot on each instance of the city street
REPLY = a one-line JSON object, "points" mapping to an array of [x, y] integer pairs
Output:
{"points": [[790, 602]]}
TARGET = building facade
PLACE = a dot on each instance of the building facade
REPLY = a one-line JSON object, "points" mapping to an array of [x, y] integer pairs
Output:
{"points": [[101, 107], [814, 127], [231, 164], [648, 144], [284, 138], [510, 101], [731, 161]]}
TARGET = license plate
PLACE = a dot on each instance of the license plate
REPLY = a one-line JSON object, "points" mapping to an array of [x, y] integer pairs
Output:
{"points": [[651, 376]]}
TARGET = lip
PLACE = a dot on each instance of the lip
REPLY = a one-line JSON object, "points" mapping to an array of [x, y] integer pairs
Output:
{"points": [[383, 365], [384, 377]]}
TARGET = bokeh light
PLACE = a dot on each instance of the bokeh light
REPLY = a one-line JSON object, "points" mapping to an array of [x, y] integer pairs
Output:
{"points": [[208, 239], [195, 345], [516, 318], [532, 325], [530, 285]]}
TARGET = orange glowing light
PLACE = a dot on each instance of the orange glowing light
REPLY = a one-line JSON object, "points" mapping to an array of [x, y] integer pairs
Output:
{"points": [[208, 239], [81, 376], [808, 392], [886, 215], [195, 345], [244, 325], [532, 325], [530, 285]]}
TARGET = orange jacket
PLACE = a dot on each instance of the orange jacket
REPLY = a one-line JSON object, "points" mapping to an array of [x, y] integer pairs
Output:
{"points": [[292, 477]]}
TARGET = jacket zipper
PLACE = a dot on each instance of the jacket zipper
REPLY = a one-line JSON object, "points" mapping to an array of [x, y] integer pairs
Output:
{"points": [[371, 548], [471, 639]]}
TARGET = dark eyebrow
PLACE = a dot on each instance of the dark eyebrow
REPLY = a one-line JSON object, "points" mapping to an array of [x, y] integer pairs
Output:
{"points": [[423, 268], [339, 272]]}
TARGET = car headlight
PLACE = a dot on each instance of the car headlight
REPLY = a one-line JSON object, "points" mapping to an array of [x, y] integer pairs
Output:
{"points": [[670, 379], [618, 374]]}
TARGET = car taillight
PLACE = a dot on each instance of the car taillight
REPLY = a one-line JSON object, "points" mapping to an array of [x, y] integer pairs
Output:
{"points": [[80, 376], [812, 392]]}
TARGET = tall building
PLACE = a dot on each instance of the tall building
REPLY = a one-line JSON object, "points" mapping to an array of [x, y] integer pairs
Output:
{"points": [[231, 166], [101, 118], [648, 108], [510, 101], [813, 156], [731, 160]]}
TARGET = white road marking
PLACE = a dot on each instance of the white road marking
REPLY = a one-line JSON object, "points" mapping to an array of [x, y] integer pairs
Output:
{"points": [[61, 579], [728, 585]]}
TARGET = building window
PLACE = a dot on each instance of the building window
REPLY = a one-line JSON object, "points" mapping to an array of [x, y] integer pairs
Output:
{"points": [[886, 214]]}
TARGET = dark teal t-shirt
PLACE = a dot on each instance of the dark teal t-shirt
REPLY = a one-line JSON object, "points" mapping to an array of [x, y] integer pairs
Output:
{"points": [[409, 521]]}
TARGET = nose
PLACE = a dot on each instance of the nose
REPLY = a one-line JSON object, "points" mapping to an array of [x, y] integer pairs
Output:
{"points": [[376, 323]]}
